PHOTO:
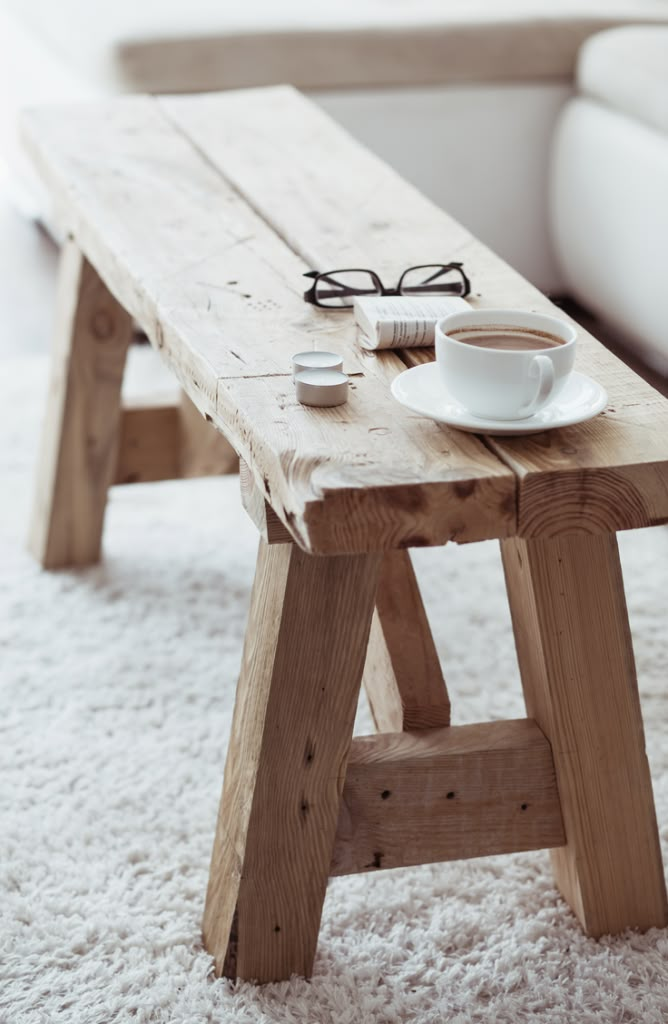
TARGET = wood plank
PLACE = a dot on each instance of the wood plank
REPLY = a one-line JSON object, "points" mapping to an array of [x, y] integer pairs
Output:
{"points": [[334, 212], [367, 475], [446, 794], [164, 440], [293, 720], [403, 678], [576, 659], [203, 451], [189, 261], [219, 294], [597, 477], [149, 442], [81, 429], [389, 46], [350, 209], [272, 530]]}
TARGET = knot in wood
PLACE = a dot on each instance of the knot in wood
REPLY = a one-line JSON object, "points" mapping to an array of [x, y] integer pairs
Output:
{"points": [[102, 325]]}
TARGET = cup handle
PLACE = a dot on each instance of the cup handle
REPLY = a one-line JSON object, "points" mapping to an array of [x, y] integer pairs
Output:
{"points": [[542, 368]]}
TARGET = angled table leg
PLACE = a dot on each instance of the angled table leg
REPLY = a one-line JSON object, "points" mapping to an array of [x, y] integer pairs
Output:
{"points": [[576, 660], [293, 719], [81, 429], [203, 450], [402, 677]]}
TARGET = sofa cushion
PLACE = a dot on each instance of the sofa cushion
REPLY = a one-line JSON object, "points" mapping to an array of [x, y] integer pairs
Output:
{"points": [[609, 220], [627, 69], [170, 46]]}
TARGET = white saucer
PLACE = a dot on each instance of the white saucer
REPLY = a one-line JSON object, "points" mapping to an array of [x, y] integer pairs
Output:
{"points": [[421, 390]]}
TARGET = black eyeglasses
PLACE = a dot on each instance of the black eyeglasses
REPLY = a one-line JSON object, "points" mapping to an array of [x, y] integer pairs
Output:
{"points": [[336, 289]]}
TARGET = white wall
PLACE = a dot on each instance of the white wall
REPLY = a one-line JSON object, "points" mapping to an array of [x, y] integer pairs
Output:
{"points": [[479, 151]]}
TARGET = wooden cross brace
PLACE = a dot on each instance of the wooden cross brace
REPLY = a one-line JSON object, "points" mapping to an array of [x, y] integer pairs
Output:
{"points": [[302, 801]]}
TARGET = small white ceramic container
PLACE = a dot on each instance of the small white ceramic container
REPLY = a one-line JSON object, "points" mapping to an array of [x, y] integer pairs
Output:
{"points": [[504, 384], [321, 388], [316, 361]]}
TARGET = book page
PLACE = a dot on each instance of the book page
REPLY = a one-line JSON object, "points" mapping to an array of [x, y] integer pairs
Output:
{"points": [[401, 321]]}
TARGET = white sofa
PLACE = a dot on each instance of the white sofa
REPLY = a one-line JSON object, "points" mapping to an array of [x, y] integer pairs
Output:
{"points": [[608, 204], [462, 98]]}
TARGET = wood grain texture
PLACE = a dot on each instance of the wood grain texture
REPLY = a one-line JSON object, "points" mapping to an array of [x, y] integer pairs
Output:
{"points": [[203, 451], [365, 476], [402, 676], [445, 794], [576, 659], [80, 433], [201, 222], [385, 46], [161, 439], [598, 477], [270, 527], [351, 210], [185, 254], [149, 445], [293, 718], [220, 295]]}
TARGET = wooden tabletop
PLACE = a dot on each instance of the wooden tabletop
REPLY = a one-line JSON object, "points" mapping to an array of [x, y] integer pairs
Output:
{"points": [[202, 213]]}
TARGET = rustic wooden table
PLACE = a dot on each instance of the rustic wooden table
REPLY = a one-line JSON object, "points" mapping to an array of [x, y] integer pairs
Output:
{"points": [[197, 217]]}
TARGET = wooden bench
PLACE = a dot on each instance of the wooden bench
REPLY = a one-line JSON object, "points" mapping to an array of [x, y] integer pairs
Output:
{"points": [[197, 217]]}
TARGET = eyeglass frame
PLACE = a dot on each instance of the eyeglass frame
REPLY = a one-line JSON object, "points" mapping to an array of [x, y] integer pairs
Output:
{"points": [[310, 293]]}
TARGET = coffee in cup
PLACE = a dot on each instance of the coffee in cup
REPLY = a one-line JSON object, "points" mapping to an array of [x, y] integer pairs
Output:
{"points": [[504, 364], [506, 339]]}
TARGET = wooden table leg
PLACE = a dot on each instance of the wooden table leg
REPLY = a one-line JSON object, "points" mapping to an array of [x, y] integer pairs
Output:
{"points": [[81, 429], [296, 699], [576, 660], [403, 679], [204, 451]]}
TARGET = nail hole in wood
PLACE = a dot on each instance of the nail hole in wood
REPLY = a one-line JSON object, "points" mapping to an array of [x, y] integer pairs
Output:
{"points": [[277, 927], [450, 795], [524, 807], [385, 794]]}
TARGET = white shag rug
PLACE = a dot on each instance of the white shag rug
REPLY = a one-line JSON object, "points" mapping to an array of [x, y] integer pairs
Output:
{"points": [[117, 691]]}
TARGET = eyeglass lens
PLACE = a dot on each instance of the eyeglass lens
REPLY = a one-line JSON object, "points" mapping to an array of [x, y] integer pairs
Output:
{"points": [[338, 289], [432, 280]]}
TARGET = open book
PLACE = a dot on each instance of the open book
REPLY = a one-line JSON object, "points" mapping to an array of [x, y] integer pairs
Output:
{"points": [[388, 321]]}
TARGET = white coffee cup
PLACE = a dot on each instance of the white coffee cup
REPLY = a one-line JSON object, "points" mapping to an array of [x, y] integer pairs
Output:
{"points": [[504, 364]]}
